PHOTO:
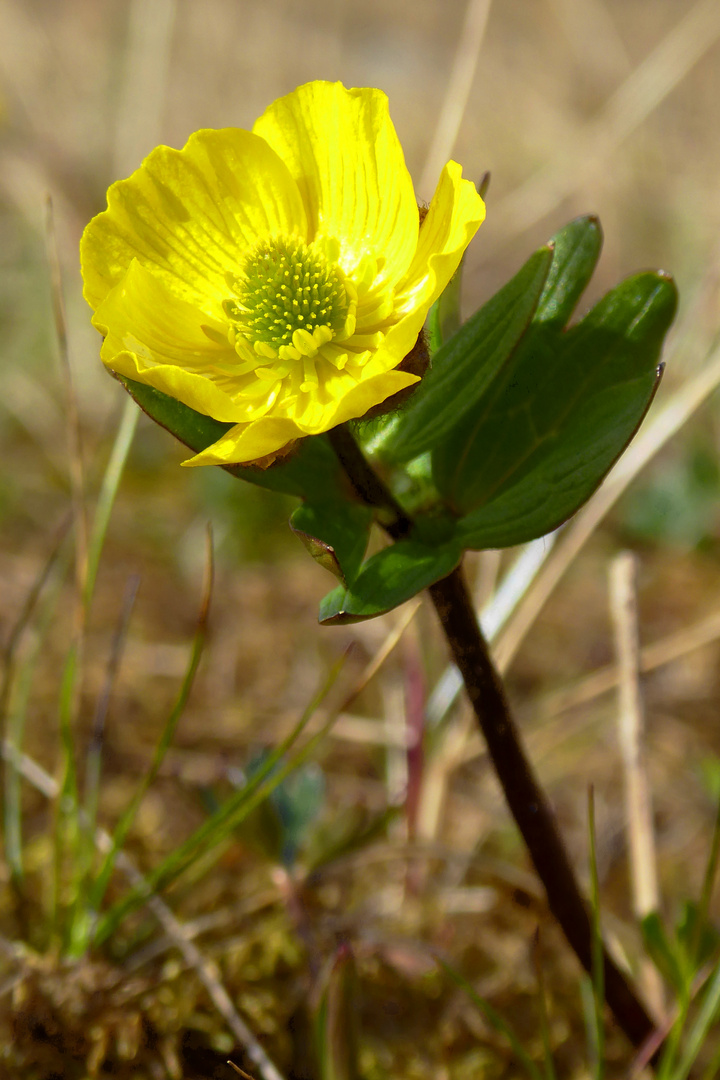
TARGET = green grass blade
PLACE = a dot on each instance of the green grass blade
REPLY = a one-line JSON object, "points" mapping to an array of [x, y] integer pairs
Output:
{"points": [[550, 1073], [337, 1021], [81, 852], [15, 692], [707, 888], [704, 1021], [587, 998], [220, 825], [67, 806], [99, 887], [93, 760], [108, 491], [494, 1019]]}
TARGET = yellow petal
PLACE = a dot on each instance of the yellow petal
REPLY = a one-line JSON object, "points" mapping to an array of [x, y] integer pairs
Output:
{"points": [[344, 154], [189, 214], [454, 216], [246, 443], [371, 392], [152, 336]]}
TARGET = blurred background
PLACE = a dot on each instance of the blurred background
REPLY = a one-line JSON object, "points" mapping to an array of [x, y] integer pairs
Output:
{"points": [[574, 106]]}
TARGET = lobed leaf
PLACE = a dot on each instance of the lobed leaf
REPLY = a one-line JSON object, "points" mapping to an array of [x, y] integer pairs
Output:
{"points": [[558, 418]]}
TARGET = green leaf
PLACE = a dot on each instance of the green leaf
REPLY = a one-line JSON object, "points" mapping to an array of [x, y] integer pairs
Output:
{"points": [[558, 419], [310, 470], [577, 250], [388, 579], [464, 367], [336, 535]]}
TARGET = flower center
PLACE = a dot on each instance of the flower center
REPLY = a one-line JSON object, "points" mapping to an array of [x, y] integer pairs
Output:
{"points": [[291, 298]]}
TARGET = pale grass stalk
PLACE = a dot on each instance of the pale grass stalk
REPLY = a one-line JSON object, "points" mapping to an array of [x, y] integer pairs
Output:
{"points": [[685, 402], [457, 93], [174, 929], [589, 27], [486, 577], [144, 81], [590, 149], [631, 740], [448, 750], [668, 649], [407, 614], [395, 732], [360, 729]]}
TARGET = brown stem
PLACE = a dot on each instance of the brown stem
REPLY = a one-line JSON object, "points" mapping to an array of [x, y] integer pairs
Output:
{"points": [[524, 795], [368, 484]]}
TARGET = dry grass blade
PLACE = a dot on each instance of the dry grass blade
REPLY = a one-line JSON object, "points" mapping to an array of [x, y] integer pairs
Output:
{"points": [[28, 609], [77, 479], [631, 723], [590, 148], [457, 93], [661, 652], [589, 27], [239, 1071], [406, 617], [144, 83], [94, 753]]}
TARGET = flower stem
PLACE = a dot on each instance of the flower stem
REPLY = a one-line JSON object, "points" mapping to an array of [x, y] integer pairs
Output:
{"points": [[368, 485], [526, 799]]}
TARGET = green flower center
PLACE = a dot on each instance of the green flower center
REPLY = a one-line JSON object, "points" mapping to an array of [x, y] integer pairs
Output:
{"points": [[291, 299]]}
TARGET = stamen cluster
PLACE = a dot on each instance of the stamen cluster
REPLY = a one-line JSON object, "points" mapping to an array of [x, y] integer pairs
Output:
{"points": [[290, 300]]}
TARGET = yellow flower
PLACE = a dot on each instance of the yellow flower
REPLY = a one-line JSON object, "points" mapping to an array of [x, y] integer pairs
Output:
{"points": [[275, 279]]}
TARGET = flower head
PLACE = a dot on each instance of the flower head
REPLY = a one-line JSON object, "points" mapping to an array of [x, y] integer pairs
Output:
{"points": [[275, 279]]}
